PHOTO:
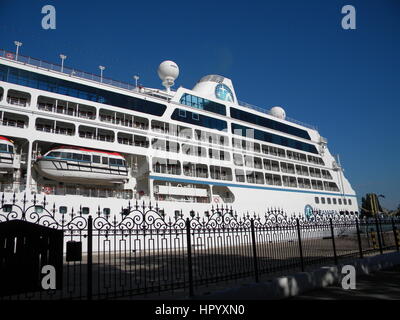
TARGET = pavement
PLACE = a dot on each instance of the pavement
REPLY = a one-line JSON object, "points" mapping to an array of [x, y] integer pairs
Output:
{"points": [[379, 285]]}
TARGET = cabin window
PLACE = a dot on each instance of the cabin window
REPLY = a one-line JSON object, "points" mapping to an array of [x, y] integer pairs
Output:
{"points": [[115, 162], [85, 210], [54, 154], [86, 157], [204, 104], [104, 160], [106, 211], [268, 123], [182, 113], [62, 209], [340, 201], [77, 156], [11, 149], [239, 175], [96, 159], [195, 116], [322, 200], [329, 200], [237, 159], [273, 138], [204, 121], [316, 200], [344, 201], [334, 200]]}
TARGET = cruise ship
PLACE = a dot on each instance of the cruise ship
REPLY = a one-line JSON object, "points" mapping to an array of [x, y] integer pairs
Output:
{"points": [[89, 142]]}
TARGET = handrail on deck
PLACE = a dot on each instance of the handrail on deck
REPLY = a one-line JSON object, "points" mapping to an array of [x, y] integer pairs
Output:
{"points": [[107, 81]]}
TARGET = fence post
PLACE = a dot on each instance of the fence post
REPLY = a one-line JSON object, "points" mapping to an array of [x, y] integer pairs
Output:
{"points": [[300, 245], [189, 253], [378, 234], [333, 241], [359, 239], [253, 240], [89, 258], [396, 236]]}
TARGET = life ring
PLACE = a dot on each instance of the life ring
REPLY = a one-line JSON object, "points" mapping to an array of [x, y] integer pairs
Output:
{"points": [[9, 55], [46, 190], [216, 199]]}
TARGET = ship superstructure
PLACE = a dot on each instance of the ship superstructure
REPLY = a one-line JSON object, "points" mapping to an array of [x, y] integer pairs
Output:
{"points": [[83, 140]]}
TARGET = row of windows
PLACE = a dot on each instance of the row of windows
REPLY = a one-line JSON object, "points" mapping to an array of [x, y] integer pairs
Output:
{"points": [[172, 146], [72, 89], [277, 152], [272, 138], [203, 104], [212, 138], [89, 112], [332, 201], [186, 132], [69, 156], [65, 128], [170, 166], [84, 210], [272, 165], [268, 123], [199, 120], [286, 181]]}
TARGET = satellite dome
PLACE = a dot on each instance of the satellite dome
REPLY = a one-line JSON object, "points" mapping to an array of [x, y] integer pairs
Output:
{"points": [[168, 70], [278, 112]]}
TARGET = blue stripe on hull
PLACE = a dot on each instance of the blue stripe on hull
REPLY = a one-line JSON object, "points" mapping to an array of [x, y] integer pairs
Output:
{"points": [[245, 186]]}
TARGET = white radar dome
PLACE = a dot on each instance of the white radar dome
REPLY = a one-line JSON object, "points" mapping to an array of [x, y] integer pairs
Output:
{"points": [[168, 70], [278, 112]]}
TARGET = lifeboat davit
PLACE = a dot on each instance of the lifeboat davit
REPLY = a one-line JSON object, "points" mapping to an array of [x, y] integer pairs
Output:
{"points": [[83, 166], [6, 155]]}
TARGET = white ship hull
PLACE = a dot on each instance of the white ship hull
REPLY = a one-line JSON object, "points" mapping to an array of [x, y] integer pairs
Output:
{"points": [[184, 150]]}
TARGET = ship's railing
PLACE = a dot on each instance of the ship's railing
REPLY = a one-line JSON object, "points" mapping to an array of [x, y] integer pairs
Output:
{"points": [[263, 110], [65, 70], [14, 123], [93, 192], [114, 83]]}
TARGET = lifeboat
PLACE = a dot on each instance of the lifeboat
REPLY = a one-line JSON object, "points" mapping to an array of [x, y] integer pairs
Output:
{"points": [[6, 155], [83, 166]]}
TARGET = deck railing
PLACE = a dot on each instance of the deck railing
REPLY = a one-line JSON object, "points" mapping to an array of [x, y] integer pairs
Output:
{"points": [[107, 81]]}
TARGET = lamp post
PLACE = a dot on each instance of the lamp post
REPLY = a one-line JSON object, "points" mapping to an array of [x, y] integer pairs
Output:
{"points": [[101, 72], [381, 216], [63, 57], [136, 81], [18, 44]]}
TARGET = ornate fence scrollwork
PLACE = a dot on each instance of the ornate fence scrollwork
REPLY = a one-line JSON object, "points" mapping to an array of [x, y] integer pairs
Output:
{"points": [[37, 212], [143, 249]]}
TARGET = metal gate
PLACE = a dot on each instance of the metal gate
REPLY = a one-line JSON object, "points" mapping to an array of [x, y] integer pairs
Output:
{"points": [[25, 248]]}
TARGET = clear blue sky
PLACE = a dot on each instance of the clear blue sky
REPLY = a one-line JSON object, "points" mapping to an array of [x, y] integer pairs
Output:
{"points": [[289, 53]]}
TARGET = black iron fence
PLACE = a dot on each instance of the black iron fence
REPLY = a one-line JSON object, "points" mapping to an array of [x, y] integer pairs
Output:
{"points": [[143, 251]]}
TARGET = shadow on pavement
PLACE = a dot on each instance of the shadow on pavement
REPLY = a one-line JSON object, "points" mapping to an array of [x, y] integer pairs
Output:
{"points": [[381, 285]]}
